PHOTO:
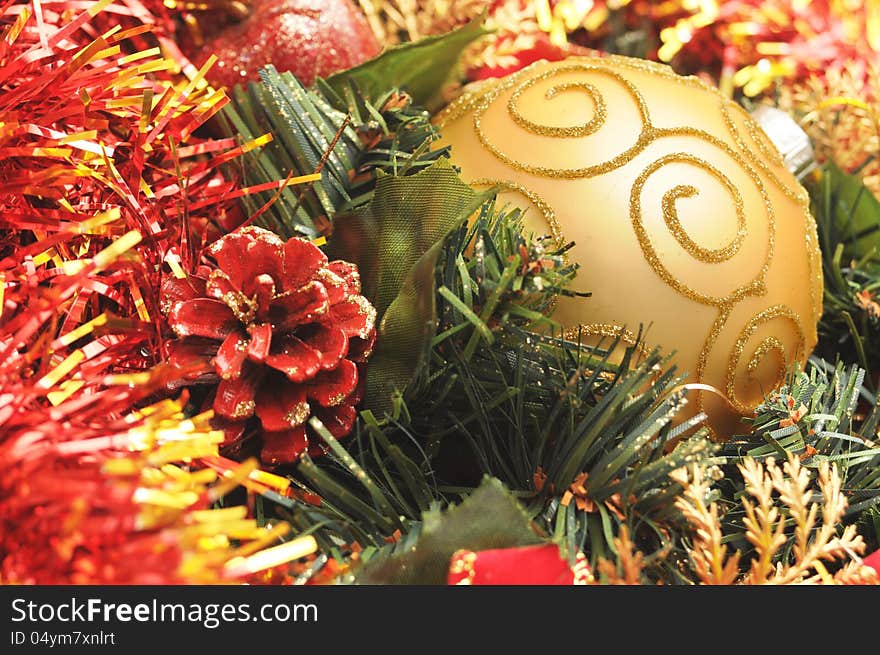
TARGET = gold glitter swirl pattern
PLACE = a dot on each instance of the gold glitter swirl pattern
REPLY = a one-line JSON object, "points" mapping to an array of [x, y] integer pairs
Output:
{"points": [[610, 330], [814, 261], [670, 216], [671, 219], [761, 140], [768, 345], [484, 102], [600, 111], [794, 193]]}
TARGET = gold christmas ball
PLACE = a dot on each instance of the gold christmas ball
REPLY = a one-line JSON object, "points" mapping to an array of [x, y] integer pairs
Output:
{"points": [[684, 216]]}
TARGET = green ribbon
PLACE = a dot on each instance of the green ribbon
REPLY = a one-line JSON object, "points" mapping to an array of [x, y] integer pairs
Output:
{"points": [[395, 241]]}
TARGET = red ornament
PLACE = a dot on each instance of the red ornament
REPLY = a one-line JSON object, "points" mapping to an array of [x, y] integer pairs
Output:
{"points": [[281, 328], [529, 565], [309, 38], [873, 561]]}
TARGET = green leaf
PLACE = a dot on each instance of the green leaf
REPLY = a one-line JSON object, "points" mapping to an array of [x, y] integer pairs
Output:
{"points": [[406, 217], [489, 518], [856, 213], [848, 225], [420, 68], [395, 241]]}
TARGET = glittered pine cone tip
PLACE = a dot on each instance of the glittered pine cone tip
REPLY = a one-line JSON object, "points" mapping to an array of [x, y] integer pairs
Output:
{"points": [[283, 331]]}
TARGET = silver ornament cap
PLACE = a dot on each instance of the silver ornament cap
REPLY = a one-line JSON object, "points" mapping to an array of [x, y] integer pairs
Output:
{"points": [[792, 142]]}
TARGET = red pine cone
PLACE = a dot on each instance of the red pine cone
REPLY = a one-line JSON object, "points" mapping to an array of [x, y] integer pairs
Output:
{"points": [[282, 328]]}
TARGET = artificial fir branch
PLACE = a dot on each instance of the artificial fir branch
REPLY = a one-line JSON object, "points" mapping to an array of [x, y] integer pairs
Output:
{"points": [[711, 561], [764, 530], [544, 414], [854, 573], [630, 564], [812, 543], [303, 125]]}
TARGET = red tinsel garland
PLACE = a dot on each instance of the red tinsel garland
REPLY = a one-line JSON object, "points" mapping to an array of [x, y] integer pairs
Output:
{"points": [[103, 190]]}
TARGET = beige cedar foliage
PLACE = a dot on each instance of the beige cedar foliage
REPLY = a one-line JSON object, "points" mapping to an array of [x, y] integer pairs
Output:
{"points": [[779, 506], [627, 570]]}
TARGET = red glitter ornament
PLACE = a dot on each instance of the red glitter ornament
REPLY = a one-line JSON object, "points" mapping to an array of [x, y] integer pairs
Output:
{"points": [[309, 38], [281, 328]]}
